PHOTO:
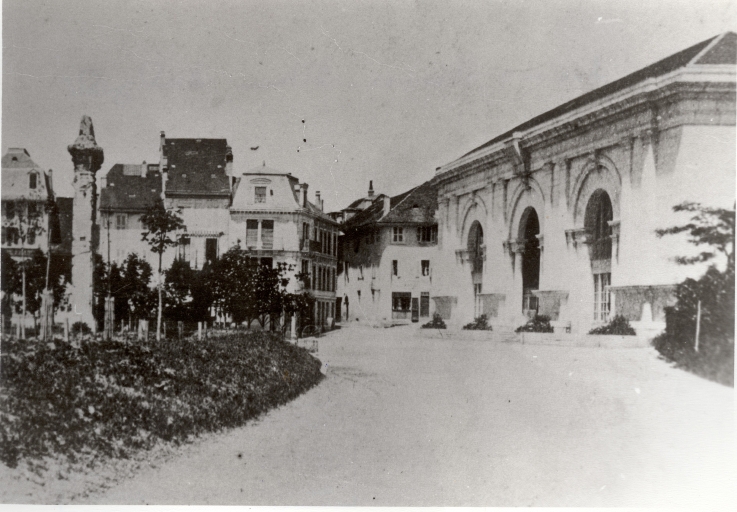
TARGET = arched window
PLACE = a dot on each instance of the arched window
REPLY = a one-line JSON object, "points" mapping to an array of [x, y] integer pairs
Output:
{"points": [[32, 180], [528, 231], [475, 244], [599, 213]]}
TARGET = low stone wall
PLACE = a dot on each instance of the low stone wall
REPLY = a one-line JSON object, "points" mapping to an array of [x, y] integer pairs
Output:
{"points": [[537, 338]]}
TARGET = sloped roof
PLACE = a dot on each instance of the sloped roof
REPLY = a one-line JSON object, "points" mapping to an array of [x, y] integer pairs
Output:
{"points": [[415, 206], [16, 165], [128, 191], [197, 167], [723, 52]]}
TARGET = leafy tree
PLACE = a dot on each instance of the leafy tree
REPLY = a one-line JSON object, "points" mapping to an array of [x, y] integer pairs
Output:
{"points": [[136, 287], [270, 286], [160, 225], [713, 227], [10, 283], [233, 281], [188, 295]]}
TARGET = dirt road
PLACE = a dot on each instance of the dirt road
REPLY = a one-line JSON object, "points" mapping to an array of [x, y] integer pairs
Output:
{"points": [[401, 420]]}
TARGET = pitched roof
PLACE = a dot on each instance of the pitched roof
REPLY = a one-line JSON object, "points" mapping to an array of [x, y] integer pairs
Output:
{"points": [[724, 52], [197, 167], [16, 166], [128, 190], [415, 206]]}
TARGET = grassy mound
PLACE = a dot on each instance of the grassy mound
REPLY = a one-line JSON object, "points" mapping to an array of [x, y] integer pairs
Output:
{"points": [[110, 399]]}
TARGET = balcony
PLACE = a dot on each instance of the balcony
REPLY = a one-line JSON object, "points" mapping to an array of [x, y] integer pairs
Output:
{"points": [[311, 246]]}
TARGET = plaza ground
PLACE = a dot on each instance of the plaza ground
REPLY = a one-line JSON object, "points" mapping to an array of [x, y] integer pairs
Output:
{"points": [[404, 420]]}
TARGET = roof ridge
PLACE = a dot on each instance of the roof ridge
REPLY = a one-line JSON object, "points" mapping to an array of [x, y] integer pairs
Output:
{"points": [[714, 41], [408, 193]]}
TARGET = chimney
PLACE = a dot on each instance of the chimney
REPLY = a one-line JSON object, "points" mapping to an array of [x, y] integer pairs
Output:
{"points": [[387, 205], [303, 198], [317, 200], [162, 138], [229, 165], [144, 169], [51, 181], [371, 189]]}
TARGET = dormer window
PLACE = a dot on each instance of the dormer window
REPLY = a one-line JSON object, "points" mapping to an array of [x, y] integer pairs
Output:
{"points": [[33, 180], [260, 194]]}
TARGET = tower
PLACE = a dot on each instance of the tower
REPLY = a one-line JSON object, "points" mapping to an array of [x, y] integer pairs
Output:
{"points": [[87, 157]]}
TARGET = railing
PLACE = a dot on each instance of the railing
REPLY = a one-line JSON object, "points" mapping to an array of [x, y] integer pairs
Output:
{"points": [[401, 315]]}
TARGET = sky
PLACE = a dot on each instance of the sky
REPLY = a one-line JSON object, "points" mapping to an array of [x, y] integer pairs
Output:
{"points": [[336, 92]]}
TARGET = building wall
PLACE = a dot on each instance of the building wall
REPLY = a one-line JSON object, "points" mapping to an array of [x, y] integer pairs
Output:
{"points": [[645, 167], [368, 281]]}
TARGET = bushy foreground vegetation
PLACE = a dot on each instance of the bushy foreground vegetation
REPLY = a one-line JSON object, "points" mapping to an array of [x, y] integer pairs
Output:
{"points": [[539, 323], [713, 231], [110, 398], [618, 325]]}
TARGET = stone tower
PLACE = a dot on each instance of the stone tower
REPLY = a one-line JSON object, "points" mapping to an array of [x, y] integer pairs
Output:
{"points": [[87, 157]]}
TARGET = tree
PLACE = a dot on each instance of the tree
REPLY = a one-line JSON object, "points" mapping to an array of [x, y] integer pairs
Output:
{"points": [[136, 289], [9, 284], [713, 227], [270, 286], [188, 294], [232, 282], [23, 221], [160, 224]]}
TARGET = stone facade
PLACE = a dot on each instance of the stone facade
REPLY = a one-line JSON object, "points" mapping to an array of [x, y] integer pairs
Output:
{"points": [[558, 215]]}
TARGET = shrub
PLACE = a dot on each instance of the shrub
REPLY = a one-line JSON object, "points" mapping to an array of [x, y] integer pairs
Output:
{"points": [[80, 328], [618, 325], [100, 398], [539, 323], [480, 323], [436, 323]]}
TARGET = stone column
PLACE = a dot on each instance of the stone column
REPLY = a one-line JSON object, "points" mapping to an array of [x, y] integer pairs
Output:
{"points": [[87, 157]]}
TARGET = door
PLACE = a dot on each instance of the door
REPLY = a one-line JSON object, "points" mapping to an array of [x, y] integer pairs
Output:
{"points": [[415, 309], [338, 310], [425, 304]]}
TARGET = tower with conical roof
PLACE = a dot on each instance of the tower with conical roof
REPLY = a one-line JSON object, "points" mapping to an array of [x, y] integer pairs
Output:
{"points": [[87, 157]]}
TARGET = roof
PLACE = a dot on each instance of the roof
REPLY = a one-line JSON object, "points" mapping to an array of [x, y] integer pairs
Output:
{"points": [[126, 190], [723, 52], [197, 167], [415, 206], [16, 165]]}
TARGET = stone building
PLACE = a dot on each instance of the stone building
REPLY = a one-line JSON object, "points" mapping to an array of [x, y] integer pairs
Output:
{"points": [[557, 216], [388, 254], [26, 188], [272, 218]]}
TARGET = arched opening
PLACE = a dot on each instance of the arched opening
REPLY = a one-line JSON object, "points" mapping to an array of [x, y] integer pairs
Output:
{"points": [[529, 229], [476, 258], [599, 214]]}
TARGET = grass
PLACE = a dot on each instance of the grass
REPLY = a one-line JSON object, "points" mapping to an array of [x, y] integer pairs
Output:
{"points": [[92, 399]]}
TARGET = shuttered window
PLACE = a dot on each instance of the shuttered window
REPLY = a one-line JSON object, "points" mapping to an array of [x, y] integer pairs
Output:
{"points": [[251, 233], [267, 234]]}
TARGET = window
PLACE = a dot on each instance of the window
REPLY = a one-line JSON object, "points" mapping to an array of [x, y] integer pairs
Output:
{"points": [[425, 267], [397, 234], [10, 210], [185, 248], [267, 234], [305, 232], [121, 220], [260, 194], [427, 234], [31, 236], [401, 301], [32, 180], [32, 210], [395, 268], [211, 249], [425, 304], [12, 236], [602, 296], [267, 262], [251, 233]]}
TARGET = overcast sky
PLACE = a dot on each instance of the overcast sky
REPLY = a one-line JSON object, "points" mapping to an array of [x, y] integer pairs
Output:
{"points": [[379, 90]]}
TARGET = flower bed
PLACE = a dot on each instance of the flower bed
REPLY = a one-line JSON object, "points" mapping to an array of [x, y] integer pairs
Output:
{"points": [[111, 398]]}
